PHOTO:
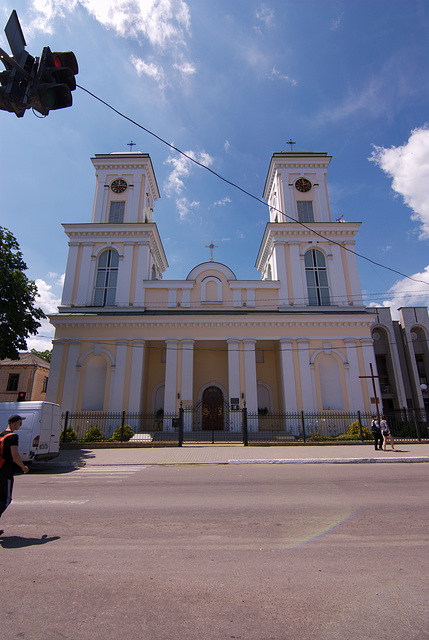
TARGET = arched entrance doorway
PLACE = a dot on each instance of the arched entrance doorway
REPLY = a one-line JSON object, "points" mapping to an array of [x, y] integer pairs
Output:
{"points": [[212, 414]]}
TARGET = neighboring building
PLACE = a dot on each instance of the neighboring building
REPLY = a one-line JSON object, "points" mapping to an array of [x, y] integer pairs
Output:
{"points": [[298, 339], [23, 379], [402, 357]]}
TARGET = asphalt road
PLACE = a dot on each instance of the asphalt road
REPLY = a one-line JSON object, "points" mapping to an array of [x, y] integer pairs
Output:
{"points": [[303, 552]]}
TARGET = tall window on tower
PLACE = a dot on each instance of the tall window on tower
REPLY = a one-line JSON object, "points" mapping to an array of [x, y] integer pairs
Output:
{"points": [[116, 213], [305, 210], [317, 278], [107, 277]]}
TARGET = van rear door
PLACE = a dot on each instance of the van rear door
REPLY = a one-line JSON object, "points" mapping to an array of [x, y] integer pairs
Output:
{"points": [[50, 429]]}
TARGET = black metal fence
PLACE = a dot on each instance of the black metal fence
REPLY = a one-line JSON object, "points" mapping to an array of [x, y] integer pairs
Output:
{"points": [[195, 424]]}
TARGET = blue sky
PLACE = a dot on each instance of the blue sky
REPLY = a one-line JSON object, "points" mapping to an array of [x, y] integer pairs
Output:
{"points": [[229, 82]]}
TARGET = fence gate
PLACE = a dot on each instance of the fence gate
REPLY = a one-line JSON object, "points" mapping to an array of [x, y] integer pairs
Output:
{"points": [[211, 420]]}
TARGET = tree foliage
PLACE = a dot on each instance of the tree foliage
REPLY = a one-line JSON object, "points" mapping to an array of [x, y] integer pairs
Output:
{"points": [[18, 314], [45, 355]]}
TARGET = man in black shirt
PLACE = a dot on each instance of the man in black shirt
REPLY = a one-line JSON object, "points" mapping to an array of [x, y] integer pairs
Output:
{"points": [[11, 457]]}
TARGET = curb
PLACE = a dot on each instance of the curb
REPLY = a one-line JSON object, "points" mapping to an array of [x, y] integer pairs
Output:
{"points": [[331, 461]]}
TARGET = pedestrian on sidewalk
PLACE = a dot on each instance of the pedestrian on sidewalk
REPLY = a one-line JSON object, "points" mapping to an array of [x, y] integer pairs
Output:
{"points": [[376, 433], [11, 457], [385, 432]]}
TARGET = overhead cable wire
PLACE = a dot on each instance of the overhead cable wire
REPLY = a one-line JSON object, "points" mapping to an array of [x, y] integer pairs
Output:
{"points": [[248, 193]]}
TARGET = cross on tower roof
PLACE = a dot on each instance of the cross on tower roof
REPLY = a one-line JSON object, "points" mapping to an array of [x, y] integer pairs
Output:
{"points": [[131, 145], [211, 246], [291, 142]]}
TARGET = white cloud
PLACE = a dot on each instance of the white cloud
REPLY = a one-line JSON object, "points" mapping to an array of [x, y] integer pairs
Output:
{"points": [[408, 293], [265, 15], [277, 75], [226, 145], [162, 22], [223, 202], [185, 68], [408, 166], [184, 207], [151, 70], [182, 169], [48, 299]]}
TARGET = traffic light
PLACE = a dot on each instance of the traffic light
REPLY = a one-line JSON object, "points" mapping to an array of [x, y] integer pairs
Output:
{"points": [[43, 83], [54, 81], [15, 83], [21, 396]]}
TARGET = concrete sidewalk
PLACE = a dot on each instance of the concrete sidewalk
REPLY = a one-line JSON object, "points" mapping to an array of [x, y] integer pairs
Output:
{"points": [[238, 454]]}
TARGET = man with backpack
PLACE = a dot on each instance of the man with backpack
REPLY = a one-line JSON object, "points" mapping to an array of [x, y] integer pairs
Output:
{"points": [[376, 433], [9, 457]]}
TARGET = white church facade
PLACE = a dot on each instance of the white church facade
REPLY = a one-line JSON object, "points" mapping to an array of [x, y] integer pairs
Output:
{"points": [[297, 339]]}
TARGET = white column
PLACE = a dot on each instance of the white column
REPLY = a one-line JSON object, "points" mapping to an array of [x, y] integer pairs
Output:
{"points": [[336, 277], [289, 202], [55, 372], [250, 382], [142, 273], [136, 382], [397, 375], [322, 213], [124, 276], [354, 386], [413, 373], [186, 394], [70, 273], [309, 402], [91, 281], [117, 378], [99, 214], [280, 258], [84, 274], [170, 380], [299, 293], [288, 376], [354, 274], [234, 387], [71, 380]]}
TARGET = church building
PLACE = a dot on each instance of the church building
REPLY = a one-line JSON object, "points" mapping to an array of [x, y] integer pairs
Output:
{"points": [[297, 339]]}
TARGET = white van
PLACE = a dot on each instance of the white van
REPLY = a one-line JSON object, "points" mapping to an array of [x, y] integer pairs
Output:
{"points": [[39, 434]]}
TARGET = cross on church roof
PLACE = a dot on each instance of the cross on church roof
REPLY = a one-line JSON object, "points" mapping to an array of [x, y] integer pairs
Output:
{"points": [[291, 142], [211, 246], [131, 145]]}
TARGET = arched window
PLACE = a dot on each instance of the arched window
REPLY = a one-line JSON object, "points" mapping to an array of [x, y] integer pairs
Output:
{"points": [[317, 278], [107, 277]]}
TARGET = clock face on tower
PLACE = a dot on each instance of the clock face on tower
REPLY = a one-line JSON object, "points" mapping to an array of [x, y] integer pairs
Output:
{"points": [[118, 186], [303, 185]]}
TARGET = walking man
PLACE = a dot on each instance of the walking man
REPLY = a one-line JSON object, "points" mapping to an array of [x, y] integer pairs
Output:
{"points": [[11, 457]]}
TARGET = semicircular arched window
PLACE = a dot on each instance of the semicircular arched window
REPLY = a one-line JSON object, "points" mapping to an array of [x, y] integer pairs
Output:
{"points": [[317, 278], [107, 278]]}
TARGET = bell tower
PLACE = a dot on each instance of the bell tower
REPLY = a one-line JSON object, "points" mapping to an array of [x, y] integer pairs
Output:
{"points": [[311, 256], [110, 257], [126, 188]]}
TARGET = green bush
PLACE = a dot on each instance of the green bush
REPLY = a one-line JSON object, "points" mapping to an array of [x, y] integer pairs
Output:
{"points": [[69, 436], [127, 435], [353, 432], [94, 434]]}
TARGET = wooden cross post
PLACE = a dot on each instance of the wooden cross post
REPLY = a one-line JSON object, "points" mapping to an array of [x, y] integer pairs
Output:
{"points": [[373, 377]]}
